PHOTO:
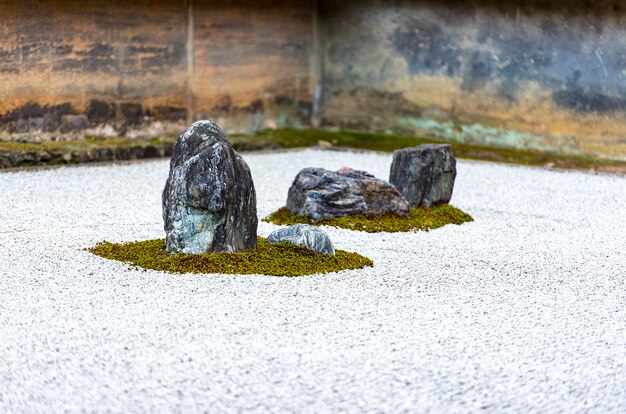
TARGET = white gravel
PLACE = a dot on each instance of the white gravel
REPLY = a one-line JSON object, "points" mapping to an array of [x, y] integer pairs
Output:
{"points": [[523, 310]]}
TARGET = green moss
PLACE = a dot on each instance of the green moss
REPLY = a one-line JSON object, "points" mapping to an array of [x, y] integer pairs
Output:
{"points": [[11, 146], [86, 144], [286, 138], [279, 259], [390, 142], [416, 219]]}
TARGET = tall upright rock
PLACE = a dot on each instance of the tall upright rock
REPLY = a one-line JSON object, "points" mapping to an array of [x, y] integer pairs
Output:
{"points": [[425, 174], [209, 201]]}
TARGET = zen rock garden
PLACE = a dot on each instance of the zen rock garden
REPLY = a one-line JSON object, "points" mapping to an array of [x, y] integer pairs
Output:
{"points": [[209, 208]]}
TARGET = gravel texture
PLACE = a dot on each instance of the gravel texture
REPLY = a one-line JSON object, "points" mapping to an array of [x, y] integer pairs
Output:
{"points": [[522, 310]]}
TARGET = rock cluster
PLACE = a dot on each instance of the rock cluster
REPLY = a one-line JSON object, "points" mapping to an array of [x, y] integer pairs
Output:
{"points": [[318, 193], [425, 174], [305, 235], [209, 201]]}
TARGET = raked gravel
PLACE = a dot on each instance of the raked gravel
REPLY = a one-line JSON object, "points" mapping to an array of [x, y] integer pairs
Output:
{"points": [[522, 310]]}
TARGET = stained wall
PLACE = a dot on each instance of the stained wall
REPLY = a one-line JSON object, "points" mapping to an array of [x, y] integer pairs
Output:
{"points": [[252, 62], [548, 75], [117, 64], [121, 67]]}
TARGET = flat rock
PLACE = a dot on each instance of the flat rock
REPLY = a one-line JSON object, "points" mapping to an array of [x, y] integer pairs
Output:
{"points": [[424, 174], [319, 193], [209, 201], [311, 237]]}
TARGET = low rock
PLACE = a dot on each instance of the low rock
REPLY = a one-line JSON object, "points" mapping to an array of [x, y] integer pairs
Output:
{"points": [[319, 193], [424, 174], [305, 235], [209, 201]]}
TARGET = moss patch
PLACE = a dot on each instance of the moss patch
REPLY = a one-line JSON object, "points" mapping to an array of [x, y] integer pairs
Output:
{"points": [[278, 259], [89, 149], [85, 144], [416, 219], [286, 138]]}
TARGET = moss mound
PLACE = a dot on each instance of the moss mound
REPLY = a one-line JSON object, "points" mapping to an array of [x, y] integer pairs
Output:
{"points": [[278, 259], [416, 219]]}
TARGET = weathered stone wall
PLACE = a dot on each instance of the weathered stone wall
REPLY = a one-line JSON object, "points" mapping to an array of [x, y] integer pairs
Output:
{"points": [[549, 75], [69, 65], [252, 63], [100, 67]]}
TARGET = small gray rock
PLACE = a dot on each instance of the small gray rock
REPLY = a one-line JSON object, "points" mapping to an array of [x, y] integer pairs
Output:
{"points": [[425, 174], [209, 202], [305, 235], [319, 193]]}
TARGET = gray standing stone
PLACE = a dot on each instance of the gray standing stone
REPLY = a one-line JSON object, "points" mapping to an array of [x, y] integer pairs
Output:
{"points": [[305, 235], [319, 193], [209, 202], [425, 174]]}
